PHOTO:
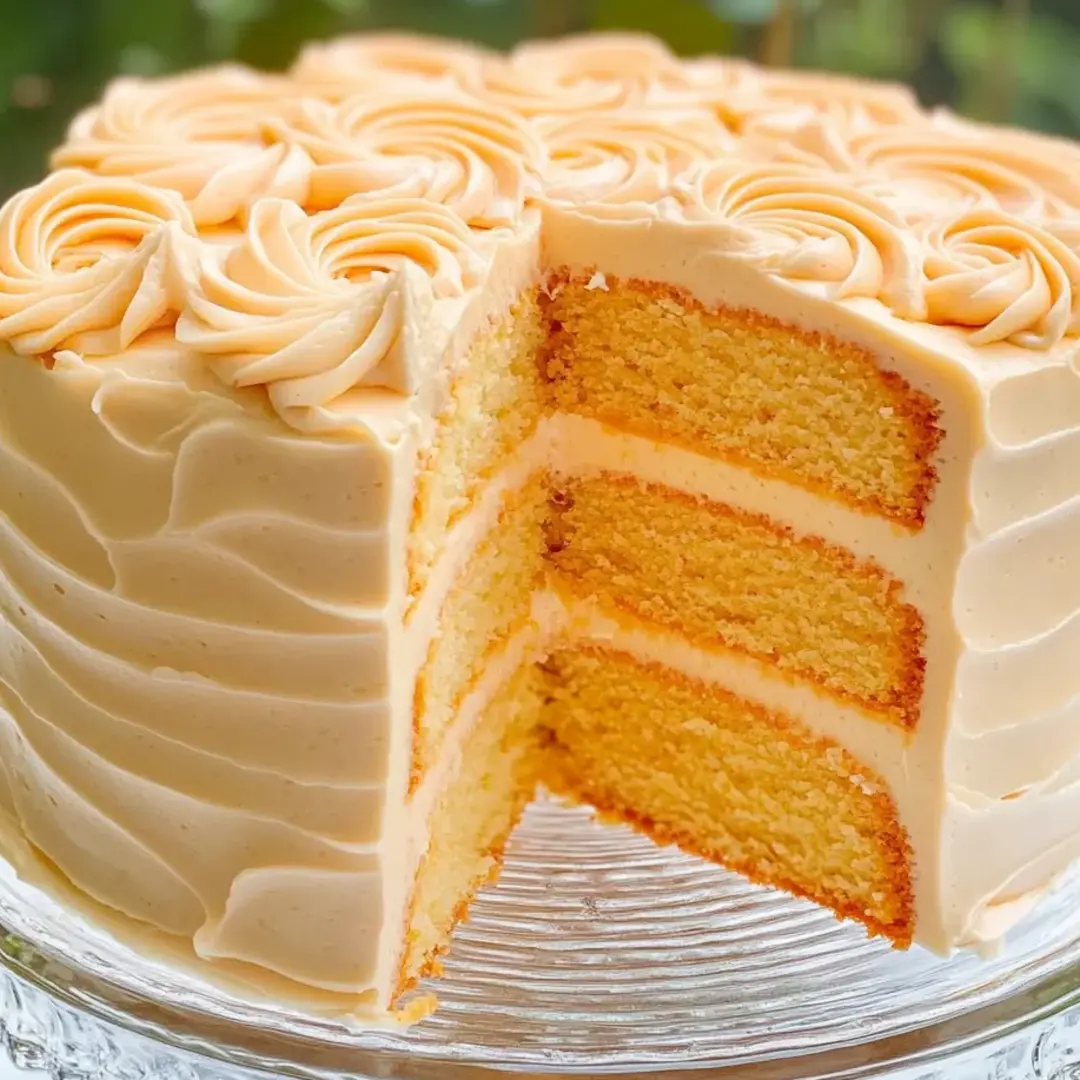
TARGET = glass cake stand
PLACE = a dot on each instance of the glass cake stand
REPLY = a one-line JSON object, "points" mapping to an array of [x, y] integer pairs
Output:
{"points": [[597, 954]]}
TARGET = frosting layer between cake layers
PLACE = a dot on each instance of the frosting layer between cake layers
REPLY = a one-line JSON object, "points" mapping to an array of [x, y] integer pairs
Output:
{"points": [[989, 572], [241, 313]]}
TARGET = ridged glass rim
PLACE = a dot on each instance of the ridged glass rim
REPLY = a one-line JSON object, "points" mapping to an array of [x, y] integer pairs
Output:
{"points": [[217, 1028]]}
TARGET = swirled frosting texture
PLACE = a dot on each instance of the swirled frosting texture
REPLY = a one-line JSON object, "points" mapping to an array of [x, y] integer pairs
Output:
{"points": [[316, 307], [825, 182], [470, 155], [231, 299], [198, 134], [90, 263]]}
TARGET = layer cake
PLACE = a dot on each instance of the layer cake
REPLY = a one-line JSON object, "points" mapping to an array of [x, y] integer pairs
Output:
{"points": [[383, 440]]}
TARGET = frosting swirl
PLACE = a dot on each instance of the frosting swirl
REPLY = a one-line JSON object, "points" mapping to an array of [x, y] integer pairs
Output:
{"points": [[469, 155], [923, 170], [580, 74], [810, 226], [787, 99], [89, 263], [626, 162], [337, 69], [1005, 278], [197, 134], [315, 307]]}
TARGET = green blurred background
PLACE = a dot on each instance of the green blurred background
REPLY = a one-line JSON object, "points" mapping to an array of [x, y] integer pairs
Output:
{"points": [[1015, 60]]}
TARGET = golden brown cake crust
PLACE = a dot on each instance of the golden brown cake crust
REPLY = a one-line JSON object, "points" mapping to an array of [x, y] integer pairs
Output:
{"points": [[565, 777], [899, 703], [912, 409]]}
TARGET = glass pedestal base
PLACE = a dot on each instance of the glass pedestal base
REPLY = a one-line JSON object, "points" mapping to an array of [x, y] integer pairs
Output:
{"points": [[597, 953]]}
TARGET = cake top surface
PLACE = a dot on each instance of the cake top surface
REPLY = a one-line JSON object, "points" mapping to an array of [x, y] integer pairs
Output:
{"points": [[285, 227]]}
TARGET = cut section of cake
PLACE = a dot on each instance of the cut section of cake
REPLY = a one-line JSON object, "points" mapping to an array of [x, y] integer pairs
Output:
{"points": [[384, 441]]}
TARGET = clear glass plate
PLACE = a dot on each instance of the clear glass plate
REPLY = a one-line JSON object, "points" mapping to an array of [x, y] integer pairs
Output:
{"points": [[596, 953]]}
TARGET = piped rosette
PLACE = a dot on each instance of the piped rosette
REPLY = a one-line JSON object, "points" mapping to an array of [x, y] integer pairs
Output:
{"points": [[1004, 278], [626, 164], [198, 134], [338, 315], [924, 170], [580, 75], [476, 158], [338, 69], [90, 263], [807, 226]]}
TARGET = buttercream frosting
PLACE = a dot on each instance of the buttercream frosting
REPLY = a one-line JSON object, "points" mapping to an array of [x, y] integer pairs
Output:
{"points": [[468, 154], [90, 262], [198, 134], [233, 315], [320, 308]]}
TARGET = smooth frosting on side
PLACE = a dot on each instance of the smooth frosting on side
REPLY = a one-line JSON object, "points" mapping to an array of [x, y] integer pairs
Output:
{"points": [[246, 298], [198, 688]]}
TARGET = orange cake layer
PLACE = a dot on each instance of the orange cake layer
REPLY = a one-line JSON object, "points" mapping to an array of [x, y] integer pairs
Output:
{"points": [[694, 765], [744, 387], [722, 577]]}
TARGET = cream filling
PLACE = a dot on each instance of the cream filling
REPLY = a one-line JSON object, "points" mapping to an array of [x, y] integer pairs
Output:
{"points": [[950, 803]]}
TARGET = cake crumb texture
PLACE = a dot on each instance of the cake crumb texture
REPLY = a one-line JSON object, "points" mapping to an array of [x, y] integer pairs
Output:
{"points": [[476, 811], [722, 577], [744, 387], [496, 400], [694, 765], [488, 603]]}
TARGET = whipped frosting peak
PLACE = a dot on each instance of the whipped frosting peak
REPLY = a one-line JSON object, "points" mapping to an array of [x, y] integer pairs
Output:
{"points": [[451, 148], [316, 307], [197, 134], [90, 263]]}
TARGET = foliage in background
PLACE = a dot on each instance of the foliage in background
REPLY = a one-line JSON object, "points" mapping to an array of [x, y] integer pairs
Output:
{"points": [[1016, 60]]}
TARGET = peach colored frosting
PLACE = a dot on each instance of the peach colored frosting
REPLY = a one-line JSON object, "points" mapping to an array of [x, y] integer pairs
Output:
{"points": [[819, 180], [198, 134], [470, 155], [336, 69], [313, 307], [90, 263], [576, 75]]}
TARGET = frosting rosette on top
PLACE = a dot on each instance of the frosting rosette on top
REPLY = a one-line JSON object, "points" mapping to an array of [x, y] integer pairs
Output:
{"points": [[1003, 277], [626, 163], [580, 74], [318, 307], [924, 170], [198, 134], [452, 148], [786, 99], [89, 263], [806, 225], [337, 69], [472, 156]]}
